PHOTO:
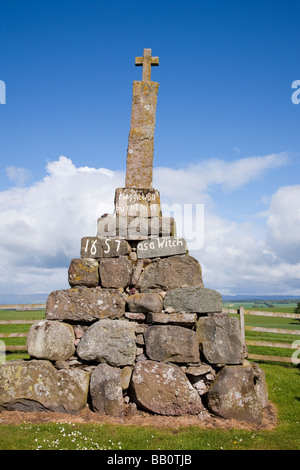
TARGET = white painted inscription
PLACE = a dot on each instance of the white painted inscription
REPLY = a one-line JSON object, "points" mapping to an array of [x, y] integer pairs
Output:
{"points": [[140, 209], [161, 246], [94, 247], [137, 202]]}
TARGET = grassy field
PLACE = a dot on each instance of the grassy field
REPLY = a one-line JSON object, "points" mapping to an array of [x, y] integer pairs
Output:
{"points": [[284, 391], [277, 307], [31, 315], [271, 322]]}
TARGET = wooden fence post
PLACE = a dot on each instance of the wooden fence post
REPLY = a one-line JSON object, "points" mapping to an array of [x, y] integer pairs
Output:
{"points": [[242, 323]]}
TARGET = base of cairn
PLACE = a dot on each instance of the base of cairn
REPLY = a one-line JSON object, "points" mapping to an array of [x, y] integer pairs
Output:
{"points": [[136, 328]]}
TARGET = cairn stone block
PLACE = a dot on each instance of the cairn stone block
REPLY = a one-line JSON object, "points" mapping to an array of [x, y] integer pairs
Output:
{"points": [[194, 300], [138, 317], [110, 341], [260, 384], [142, 228], [106, 391], [52, 340], [220, 340], [201, 384], [172, 343], [126, 374], [127, 228], [163, 389], [85, 304], [137, 202], [166, 226], [145, 302], [137, 270], [106, 227], [236, 393], [116, 272], [181, 319], [161, 246], [37, 385], [197, 370], [171, 273], [84, 272], [94, 247]]}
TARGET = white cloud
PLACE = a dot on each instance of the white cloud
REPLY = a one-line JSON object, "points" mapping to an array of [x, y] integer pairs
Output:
{"points": [[18, 175], [41, 225], [198, 179], [237, 258], [283, 224], [233, 175]]}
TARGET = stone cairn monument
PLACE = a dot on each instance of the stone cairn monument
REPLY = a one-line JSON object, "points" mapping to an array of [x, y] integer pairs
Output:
{"points": [[137, 330]]}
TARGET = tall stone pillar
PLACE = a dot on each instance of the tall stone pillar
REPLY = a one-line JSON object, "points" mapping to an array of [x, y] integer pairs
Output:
{"points": [[140, 150]]}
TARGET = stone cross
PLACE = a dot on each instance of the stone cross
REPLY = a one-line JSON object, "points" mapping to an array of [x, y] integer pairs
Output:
{"points": [[140, 149], [147, 61]]}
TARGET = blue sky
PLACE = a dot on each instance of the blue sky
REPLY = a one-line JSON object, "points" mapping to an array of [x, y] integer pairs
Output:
{"points": [[227, 132]]}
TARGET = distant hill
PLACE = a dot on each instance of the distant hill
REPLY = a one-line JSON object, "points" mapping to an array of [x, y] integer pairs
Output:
{"points": [[244, 298]]}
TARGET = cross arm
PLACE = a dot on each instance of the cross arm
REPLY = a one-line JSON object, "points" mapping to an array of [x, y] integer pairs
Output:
{"points": [[140, 60], [146, 61]]}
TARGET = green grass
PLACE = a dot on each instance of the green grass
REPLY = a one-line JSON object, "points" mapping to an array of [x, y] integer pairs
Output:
{"points": [[22, 315], [30, 315], [271, 322], [277, 307]]}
